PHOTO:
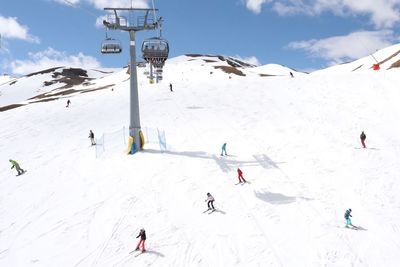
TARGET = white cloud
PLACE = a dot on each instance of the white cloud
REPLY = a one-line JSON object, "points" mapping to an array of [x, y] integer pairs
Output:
{"points": [[99, 21], [11, 29], [255, 5], [100, 4], [251, 60], [52, 58], [382, 13], [339, 49], [68, 2]]}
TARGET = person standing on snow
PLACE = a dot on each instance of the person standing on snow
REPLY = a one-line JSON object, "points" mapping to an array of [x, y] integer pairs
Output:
{"points": [[68, 102], [223, 149], [17, 167], [240, 176], [210, 200], [363, 137], [91, 136], [142, 235], [347, 216], [170, 87]]}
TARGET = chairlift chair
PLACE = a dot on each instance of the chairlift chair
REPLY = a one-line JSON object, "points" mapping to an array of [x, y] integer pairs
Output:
{"points": [[111, 46], [155, 50]]}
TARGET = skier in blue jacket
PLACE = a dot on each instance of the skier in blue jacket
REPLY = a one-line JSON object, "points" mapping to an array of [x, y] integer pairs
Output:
{"points": [[347, 216], [223, 149]]}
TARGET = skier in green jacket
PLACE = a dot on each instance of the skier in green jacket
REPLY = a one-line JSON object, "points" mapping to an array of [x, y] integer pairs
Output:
{"points": [[17, 167]]}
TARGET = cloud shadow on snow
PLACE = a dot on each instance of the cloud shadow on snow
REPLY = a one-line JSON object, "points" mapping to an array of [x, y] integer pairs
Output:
{"points": [[277, 198]]}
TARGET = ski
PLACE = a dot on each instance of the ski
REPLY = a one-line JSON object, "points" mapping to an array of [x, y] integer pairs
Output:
{"points": [[206, 210], [140, 253], [211, 211], [21, 173]]}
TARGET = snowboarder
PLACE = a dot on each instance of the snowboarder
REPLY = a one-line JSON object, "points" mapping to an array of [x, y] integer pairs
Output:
{"points": [[363, 137], [170, 87], [347, 216], [68, 102], [17, 167], [223, 149], [210, 200], [240, 176], [142, 235], [91, 136]]}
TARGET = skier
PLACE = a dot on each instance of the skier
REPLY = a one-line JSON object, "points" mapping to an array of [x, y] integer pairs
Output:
{"points": [[291, 75], [68, 102], [240, 176], [91, 136], [223, 149], [17, 167], [210, 200], [142, 235], [170, 87], [363, 137], [347, 216]]}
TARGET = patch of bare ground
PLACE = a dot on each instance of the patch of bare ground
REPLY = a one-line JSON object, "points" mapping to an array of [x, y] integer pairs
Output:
{"points": [[230, 70], [357, 68], [71, 77], [388, 58], [42, 71], [266, 75], [231, 61], [8, 107], [395, 65]]}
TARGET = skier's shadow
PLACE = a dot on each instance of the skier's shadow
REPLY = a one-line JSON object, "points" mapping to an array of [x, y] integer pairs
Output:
{"points": [[361, 228], [220, 211], [155, 253]]}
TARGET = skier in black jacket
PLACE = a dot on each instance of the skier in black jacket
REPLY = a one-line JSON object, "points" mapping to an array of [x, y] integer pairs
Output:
{"points": [[142, 235], [363, 137], [91, 136]]}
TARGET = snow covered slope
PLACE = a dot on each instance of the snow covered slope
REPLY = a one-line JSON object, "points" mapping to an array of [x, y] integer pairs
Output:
{"points": [[295, 139], [49, 84]]}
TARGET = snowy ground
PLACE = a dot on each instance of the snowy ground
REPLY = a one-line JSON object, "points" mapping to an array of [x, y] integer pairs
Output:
{"points": [[296, 140]]}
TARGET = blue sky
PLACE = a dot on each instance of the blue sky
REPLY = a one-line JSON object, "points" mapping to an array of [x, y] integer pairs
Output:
{"points": [[301, 34]]}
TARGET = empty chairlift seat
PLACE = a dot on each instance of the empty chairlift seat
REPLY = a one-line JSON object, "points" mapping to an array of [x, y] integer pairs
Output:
{"points": [[111, 46]]}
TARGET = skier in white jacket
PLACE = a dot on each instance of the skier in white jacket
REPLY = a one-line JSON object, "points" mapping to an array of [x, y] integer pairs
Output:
{"points": [[210, 200]]}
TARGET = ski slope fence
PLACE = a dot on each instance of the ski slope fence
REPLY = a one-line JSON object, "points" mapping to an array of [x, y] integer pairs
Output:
{"points": [[116, 141], [155, 136]]}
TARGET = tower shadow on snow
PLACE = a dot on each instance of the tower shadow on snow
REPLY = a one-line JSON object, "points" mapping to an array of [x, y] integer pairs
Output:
{"points": [[226, 164]]}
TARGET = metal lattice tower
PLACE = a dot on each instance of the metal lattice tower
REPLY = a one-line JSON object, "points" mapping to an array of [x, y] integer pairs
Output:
{"points": [[146, 20]]}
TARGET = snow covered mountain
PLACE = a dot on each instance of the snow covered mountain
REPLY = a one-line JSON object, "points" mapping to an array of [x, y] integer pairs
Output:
{"points": [[295, 139], [387, 58]]}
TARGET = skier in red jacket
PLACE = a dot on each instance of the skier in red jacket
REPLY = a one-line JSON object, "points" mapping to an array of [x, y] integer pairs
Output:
{"points": [[240, 176]]}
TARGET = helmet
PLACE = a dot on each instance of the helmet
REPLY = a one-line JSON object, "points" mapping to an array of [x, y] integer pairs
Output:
{"points": [[349, 209], [208, 194]]}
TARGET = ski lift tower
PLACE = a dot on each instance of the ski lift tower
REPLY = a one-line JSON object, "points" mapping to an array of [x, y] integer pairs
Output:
{"points": [[145, 20]]}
